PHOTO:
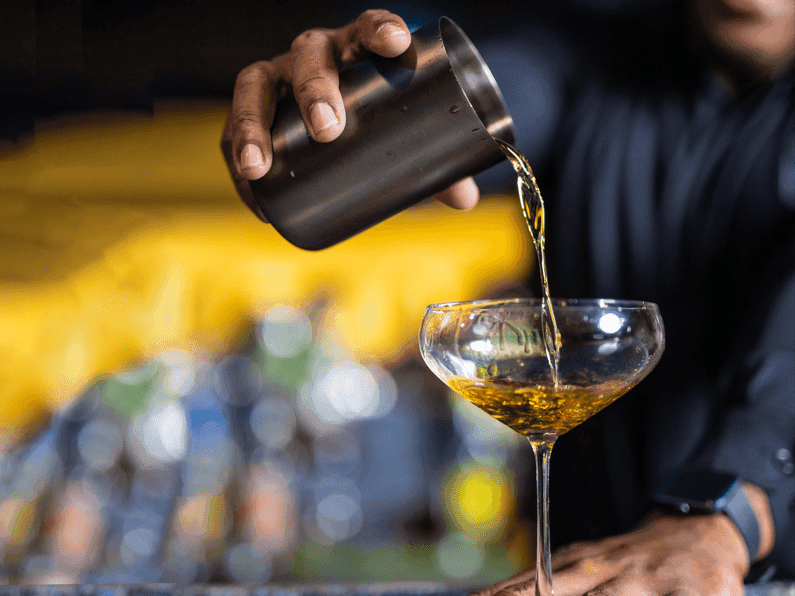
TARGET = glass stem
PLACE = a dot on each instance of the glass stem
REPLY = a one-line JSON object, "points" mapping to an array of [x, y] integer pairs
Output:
{"points": [[542, 449]]}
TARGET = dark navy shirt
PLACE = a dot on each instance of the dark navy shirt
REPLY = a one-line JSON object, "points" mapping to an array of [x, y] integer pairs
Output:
{"points": [[660, 186]]}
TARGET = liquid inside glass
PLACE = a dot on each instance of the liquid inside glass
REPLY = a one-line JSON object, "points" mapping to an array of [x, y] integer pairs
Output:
{"points": [[538, 410]]}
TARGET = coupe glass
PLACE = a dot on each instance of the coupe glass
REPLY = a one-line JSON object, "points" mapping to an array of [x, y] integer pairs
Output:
{"points": [[492, 352]]}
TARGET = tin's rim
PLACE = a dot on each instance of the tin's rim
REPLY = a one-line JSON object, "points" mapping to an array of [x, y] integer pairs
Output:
{"points": [[476, 81]]}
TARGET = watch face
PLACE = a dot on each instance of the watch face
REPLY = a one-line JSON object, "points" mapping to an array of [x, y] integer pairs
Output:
{"points": [[699, 490]]}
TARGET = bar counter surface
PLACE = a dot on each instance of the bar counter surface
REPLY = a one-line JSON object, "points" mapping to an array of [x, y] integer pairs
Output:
{"points": [[318, 589]]}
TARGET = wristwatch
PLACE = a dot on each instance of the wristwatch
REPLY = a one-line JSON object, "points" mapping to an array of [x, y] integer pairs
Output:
{"points": [[700, 492]]}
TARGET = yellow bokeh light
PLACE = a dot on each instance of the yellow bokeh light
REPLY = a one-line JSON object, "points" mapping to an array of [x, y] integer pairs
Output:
{"points": [[123, 238], [479, 501]]}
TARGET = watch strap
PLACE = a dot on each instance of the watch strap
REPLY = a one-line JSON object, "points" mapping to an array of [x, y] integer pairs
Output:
{"points": [[704, 491], [738, 509]]}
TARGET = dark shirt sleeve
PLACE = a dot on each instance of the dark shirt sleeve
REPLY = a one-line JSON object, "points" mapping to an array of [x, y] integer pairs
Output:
{"points": [[755, 434], [755, 438]]}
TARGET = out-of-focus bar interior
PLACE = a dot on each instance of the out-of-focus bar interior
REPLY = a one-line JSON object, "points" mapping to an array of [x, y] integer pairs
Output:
{"points": [[187, 397], [189, 400]]}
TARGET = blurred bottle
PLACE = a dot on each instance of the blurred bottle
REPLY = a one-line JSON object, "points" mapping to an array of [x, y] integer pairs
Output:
{"points": [[258, 386], [27, 503], [268, 529], [202, 518], [403, 460], [147, 405], [77, 530], [286, 341]]}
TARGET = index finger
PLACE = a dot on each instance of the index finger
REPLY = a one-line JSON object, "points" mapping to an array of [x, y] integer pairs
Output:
{"points": [[250, 118], [378, 31], [578, 577], [317, 56]]}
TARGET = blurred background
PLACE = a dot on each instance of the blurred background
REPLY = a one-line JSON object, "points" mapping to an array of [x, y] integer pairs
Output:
{"points": [[187, 397]]}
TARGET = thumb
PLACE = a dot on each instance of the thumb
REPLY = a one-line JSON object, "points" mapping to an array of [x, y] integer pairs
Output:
{"points": [[464, 194]]}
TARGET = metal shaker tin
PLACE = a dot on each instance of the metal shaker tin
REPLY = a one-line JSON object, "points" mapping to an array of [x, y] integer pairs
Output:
{"points": [[415, 125]]}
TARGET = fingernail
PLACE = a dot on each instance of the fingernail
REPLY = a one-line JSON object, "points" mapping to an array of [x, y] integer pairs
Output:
{"points": [[388, 30], [251, 157], [322, 116]]}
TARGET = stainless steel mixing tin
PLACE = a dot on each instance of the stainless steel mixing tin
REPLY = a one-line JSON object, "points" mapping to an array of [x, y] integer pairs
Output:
{"points": [[415, 124]]}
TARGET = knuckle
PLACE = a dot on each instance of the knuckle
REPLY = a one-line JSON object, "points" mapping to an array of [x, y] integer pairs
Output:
{"points": [[635, 566], [308, 88], [371, 14], [730, 582], [309, 38], [586, 567], [580, 566], [245, 120], [521, 589], [622, 552], [373, 20], [250, 75]]}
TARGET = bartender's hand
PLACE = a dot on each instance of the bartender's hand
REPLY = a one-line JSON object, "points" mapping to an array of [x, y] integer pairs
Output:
{"points": [[312, 68], [666, 556]]}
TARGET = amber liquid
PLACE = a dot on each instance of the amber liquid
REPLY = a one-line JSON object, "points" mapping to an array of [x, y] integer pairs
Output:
{"points": [[533, 209], [538, 411]]}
